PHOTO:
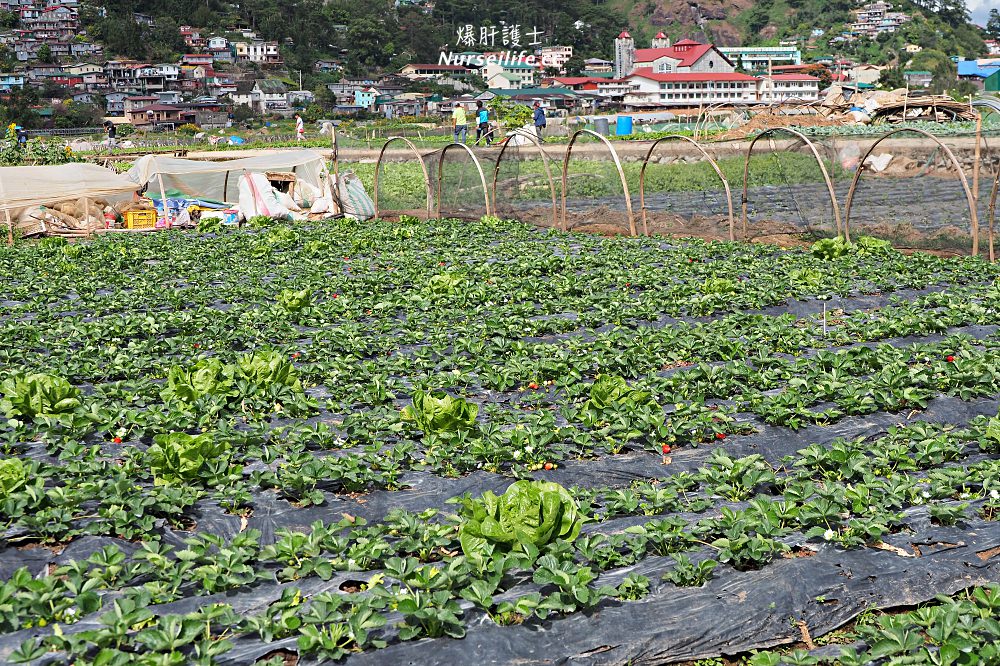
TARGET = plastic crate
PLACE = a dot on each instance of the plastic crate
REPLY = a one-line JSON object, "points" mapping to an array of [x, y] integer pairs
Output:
{"points": [[140, 219]]}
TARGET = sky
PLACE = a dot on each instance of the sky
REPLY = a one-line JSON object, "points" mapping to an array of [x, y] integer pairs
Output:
{"points": [[980, 9]]}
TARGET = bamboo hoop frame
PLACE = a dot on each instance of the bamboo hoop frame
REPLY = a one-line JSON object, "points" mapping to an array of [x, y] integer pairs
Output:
{"points": [[704, 118], [545, 162], [618, 165], [826, 176], [951, 156], [479, 168], [711, 160], [423, 167]]}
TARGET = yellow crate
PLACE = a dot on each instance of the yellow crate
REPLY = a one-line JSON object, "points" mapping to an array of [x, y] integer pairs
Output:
{"points": [[140, 219]]}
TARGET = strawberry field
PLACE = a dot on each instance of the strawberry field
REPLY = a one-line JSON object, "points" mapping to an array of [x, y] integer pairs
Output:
{"points": [[477, 442]]}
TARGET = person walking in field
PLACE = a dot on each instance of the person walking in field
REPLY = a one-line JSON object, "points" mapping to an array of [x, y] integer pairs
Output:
{"points": [[459, 123], [300, 128], [483, 124], [112, 132], [539, 116]]}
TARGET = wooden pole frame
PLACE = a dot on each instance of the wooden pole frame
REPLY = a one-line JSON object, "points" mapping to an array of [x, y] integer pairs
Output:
{"points": [[163, 200], [711, 160], [951, 156], [618, 166], [423, 168], [545, 161], [479, 169], [335, 186]]}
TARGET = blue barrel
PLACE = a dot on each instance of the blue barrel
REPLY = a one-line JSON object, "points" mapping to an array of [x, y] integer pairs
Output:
{"points": [[624, 126]]}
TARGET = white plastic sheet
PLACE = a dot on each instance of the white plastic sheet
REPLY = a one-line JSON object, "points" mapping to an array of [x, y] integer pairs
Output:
{"points": [[219, 181], [21, 187]]}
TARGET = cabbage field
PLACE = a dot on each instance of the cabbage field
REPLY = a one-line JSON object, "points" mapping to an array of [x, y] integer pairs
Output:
{"points": [[462, 442]]}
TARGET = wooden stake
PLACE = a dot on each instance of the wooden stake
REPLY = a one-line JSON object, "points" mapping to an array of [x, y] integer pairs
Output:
{"points": [[10, 228], [163, 200]]}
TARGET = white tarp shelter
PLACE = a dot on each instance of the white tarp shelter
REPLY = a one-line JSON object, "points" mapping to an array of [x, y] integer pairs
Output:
{"points": [[26, 186], [219, 181]]}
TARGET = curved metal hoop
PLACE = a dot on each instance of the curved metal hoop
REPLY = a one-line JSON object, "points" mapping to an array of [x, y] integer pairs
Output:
{"points": [[423, 168], [618, 165], [951, 156], [715, 166], [545, 162], [819, 161], [479, 168]]}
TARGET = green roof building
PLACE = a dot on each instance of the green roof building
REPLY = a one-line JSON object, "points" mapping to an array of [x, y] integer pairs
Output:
{"points": [[992, 82]]}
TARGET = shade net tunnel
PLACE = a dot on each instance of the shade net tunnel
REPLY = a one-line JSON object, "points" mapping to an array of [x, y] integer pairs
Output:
{"points": [[918, 191], [462, 181], [526, 181]]}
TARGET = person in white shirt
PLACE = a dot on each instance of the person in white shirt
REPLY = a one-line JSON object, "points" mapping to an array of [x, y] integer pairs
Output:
{"points": [[300, 128]]}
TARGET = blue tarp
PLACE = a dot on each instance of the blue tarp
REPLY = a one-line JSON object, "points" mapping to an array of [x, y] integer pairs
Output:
{"points": [[972, 68]]}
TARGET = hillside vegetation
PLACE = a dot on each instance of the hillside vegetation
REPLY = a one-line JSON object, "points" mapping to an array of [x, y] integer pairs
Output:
{"points": [[377, 35]]}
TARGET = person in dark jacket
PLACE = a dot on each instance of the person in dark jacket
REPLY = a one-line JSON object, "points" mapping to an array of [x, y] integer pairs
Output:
{"points": [[112, 132], [539, 116]]}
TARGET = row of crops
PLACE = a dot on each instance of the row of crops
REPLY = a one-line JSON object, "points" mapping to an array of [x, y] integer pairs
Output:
{"points": [[447, 442], [915, 191]]}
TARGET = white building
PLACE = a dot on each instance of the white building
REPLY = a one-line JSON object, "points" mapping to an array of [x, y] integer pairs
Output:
{"points": [[761, 58], [651, 88], [555, 56], [508, 75], [258, 51], [685, 56], [784, 87], [658, 89]]}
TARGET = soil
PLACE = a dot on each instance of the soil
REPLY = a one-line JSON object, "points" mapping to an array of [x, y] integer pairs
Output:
{"points": [[710, 228]]}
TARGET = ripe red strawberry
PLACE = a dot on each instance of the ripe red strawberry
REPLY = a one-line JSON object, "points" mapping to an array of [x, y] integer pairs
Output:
{"points": [[336, 295], [548, 466], [533, 386], [720, 435], [117, 440], [197, 346], [296, 355], [950, 359], [666, 449]]}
